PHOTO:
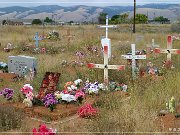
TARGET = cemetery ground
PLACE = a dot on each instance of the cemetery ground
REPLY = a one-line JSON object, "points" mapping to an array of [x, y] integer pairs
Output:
{"points": [[139, 113]]}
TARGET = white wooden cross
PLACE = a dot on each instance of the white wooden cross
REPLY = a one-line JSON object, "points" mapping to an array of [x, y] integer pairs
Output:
{"points": [[134, 57], [105, 66], [106, 40], [37, 38], [153, 45], [169, 49]]}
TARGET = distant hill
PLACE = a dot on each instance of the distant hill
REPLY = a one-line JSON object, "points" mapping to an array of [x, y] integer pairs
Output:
{"points": [[87, 13]]}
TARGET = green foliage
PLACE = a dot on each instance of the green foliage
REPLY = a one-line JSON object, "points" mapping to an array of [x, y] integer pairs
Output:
{"points": [[117, 19], [161, 19], [102, 18], [37, 22], [47, 20], [176, 27], [141, 18], [3, 22], [10, 118]]}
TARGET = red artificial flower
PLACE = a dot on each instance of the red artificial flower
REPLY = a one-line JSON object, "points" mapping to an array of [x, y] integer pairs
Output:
{"points": [[87, 111]]}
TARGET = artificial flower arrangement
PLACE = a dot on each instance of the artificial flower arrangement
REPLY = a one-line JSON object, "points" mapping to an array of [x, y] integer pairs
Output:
{"points": [[7, 93], [118, 86], [87, 111], [43, 130], [27, 91], [71, 92], [50, 101]]}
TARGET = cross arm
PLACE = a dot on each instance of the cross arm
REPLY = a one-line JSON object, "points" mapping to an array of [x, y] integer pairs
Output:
{"points": [[107, 26], [118, 67], [140, 57], [172, 51], [102, 66]]}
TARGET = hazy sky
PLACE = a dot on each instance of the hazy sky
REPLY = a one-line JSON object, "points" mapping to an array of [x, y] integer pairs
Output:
{"points": [[4, 3]]}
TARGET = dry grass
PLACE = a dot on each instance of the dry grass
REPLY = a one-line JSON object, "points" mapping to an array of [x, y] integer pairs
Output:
{"points": [[147, 97]]}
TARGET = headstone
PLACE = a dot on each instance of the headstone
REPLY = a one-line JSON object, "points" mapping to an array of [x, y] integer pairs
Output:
{"points": [[49, 84], [17, 64], [139, 38]]}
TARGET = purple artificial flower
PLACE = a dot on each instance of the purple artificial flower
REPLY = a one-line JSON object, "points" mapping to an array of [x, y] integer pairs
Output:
{"points": [[7, 93], [50, 99]]}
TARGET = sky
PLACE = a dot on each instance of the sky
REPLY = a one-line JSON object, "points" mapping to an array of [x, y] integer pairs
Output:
{"points": [[30, 3]]}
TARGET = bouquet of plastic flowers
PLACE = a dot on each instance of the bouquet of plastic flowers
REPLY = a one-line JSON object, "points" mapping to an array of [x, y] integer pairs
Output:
{"points": [[87, 111], [7, 93], [27, 91], [43, 130], [79, 96], [91, 88], [50, 101]]}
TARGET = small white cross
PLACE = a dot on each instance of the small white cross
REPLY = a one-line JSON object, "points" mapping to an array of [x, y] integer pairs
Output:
{"points": [[107, 26], [134, 57], [169, 49], [105, 66]]}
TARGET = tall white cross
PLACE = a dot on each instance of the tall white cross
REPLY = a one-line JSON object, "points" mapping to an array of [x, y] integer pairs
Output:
{"points": [[134, 57], [105, 66], [106, 40], [169, 49]]}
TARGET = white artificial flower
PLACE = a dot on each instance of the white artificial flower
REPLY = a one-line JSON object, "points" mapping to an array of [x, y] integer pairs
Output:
{"points": [[68, 97], [78, 81], [27, 102], [28, 85], [73, 87]]}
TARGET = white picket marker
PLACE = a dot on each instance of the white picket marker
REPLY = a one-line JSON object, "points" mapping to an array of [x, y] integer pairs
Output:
{"points": [[105, 66], [169, 49], [106, 40], [134, 57]]}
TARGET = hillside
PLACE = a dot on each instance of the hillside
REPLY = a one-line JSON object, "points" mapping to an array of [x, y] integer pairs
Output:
{"points": [[87, 13]]}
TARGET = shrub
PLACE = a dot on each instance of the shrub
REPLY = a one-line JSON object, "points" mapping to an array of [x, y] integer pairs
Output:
{"points": [[10, 118]]}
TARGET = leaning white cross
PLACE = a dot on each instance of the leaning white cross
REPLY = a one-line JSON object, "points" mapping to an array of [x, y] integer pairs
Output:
{"points": [[105, 66], [106, 40], [169, 49], [134, 57], [153, 45]]}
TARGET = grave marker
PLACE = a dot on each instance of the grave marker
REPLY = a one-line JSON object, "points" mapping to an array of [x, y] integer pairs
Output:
{"points": [[105, 66], [134, 57], [37, 39], [49, 84], [17, 64], [106, 40], [169, 49], [69, 36]]}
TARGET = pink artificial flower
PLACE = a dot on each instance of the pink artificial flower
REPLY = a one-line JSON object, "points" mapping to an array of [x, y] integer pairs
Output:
{"points": [[65, 91], [26, 89], [43, 130], [30, 95], [79, 93]]}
